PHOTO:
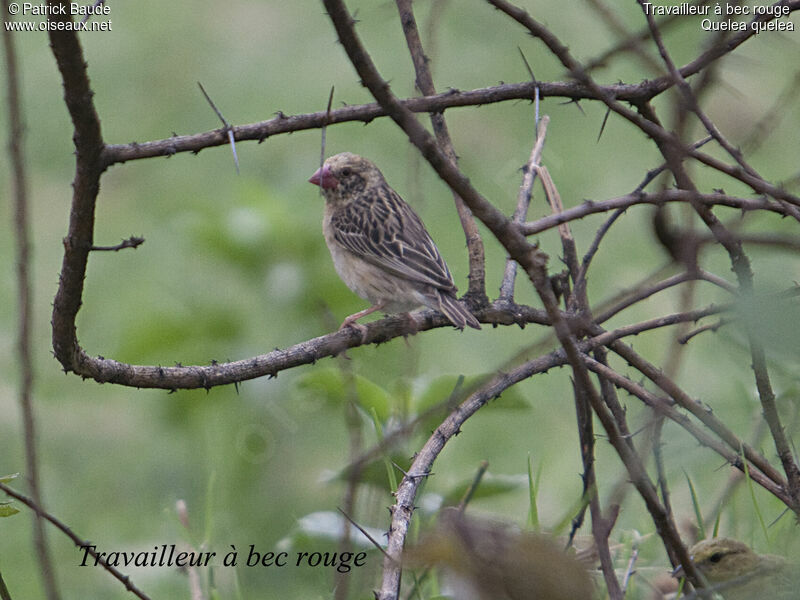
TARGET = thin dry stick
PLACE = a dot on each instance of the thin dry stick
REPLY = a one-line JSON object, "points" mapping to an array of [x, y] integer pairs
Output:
{"points": [[622, 203], [25, 302], [354, 429], [523, 202], [477, 267], [193, 574], [640, 293], [323, 133], [226, 127]]}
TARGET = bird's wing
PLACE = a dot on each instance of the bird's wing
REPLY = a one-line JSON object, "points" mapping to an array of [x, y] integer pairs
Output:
{"points": [[381, 228]]}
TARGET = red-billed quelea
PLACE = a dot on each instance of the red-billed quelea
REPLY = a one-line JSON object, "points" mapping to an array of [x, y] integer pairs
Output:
{"points": [[379, 245]]}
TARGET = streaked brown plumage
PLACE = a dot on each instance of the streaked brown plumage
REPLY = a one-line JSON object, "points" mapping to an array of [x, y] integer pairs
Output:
{"points": [[379, 245]]}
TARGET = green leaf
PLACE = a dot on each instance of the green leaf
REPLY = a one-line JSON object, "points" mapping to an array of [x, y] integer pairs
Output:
{"points": [[6, 509], [533, 492], [753, 495], [697, 512], [8, 478], [332, 386], [491, 485]]}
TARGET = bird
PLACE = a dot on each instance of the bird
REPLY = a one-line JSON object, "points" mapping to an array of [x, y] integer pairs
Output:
{"points": [[734, 571], [379, 245]]}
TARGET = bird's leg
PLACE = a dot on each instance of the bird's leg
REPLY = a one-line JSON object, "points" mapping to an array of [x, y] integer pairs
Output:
{"points": [[351, 320]]}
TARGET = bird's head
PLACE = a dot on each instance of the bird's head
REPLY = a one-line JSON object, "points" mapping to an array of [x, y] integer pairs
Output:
{"points": [[723, 559], [344, 175]]}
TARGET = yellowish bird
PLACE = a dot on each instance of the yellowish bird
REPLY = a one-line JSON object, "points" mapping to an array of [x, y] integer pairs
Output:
{"points": [[734, 572]]}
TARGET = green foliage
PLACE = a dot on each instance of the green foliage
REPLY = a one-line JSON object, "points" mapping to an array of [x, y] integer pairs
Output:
{"points": [[336, 388], [701, 529]]}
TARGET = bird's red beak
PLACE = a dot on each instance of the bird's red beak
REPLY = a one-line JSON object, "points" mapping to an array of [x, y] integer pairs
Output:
{"points": [[324, 178]]}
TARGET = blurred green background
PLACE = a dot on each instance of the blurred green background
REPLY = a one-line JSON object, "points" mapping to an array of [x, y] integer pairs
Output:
{"points": [[235, 265]]}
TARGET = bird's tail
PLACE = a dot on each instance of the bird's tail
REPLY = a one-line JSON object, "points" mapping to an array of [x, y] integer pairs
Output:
{"points": [[458, 314]]}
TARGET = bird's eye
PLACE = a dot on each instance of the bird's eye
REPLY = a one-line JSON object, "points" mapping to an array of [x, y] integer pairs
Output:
{"points": [[346, 172], [716, 557]]}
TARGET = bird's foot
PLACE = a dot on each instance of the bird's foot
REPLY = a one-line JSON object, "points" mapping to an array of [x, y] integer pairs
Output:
{"points": [[362, 329]]}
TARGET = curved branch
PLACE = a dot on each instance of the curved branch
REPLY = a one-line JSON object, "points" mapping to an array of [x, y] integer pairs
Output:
{"points": [[88, 168], [106, 370]]}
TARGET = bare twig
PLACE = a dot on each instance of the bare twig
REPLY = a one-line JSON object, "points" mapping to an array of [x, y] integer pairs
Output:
{"points": [[132, 242], [95, 6], [82, 544], [642, 292], [689, 97], [25, 302], [226, 127], [695, 408], [366, 533], [523, 202], [684, 339], [324, 131], [477, 268], [623, 202]]}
